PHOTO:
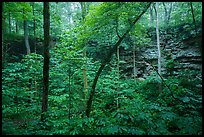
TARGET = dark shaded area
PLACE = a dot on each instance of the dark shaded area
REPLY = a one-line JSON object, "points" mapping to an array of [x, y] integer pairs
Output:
{"points": [[14, 45]]}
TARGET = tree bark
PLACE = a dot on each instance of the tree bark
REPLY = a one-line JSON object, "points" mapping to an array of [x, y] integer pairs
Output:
{"points": [[83, 11], [26, 34], [34, 26], [27, 46], [9, 22], [167, 14], [118, 85], [107, 60], [151, 8], [2, 31], [134, 69], [16, 26], [117, 32], [193, 16], [69, 111], [46, 19], [151, 15], [26, 37], [158, 44], [85, 74]]}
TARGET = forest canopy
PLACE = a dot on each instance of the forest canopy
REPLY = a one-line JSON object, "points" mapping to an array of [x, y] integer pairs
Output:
{"points": [[102, 68]]}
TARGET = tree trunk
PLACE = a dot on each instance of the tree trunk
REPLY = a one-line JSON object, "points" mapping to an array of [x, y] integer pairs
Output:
{"points": [[167, 14], [27, 48], [34, 26], [26, 34], [69, 111], [118, 85], [34, 43], [46, 19], [134, 69], [151, 22], [193, 16], [117, 28], [85, 74], [158, 44], [83, 10], [26, 37], [2, 31], [9, 22], [151, 15], [107, 60], [16, 26]]}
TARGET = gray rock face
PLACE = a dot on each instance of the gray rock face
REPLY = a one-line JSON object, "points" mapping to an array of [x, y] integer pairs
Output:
{"points": [[184, 54]]}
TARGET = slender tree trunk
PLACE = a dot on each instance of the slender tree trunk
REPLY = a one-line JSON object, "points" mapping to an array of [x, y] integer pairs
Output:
{"points": [[158, 44], [151, 22], [85, 74], [167, 14], [193, 16], [83, 10], [16, 26], [151, 15], [46, 20], [107, 60], [26, 37], [9, 22], [5, 30], [69, 111], [34, 34], [118, 69], [26, 34], [117, 32], [134, 69], [28, 50], [34, 26], [2, 31]]}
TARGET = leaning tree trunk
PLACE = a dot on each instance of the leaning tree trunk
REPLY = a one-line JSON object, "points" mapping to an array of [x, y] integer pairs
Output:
{"points": [[107, 60], [46, 19], [158, 44]]}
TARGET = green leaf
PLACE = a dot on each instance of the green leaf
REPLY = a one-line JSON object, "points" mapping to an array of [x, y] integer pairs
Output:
{"points": [[185, 99]]}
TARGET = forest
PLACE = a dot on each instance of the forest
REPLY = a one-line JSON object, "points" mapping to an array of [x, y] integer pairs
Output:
{"points": [[101, 68]]}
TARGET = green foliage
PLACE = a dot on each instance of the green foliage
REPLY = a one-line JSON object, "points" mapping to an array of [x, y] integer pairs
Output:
{"points": [[120, 106]]}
